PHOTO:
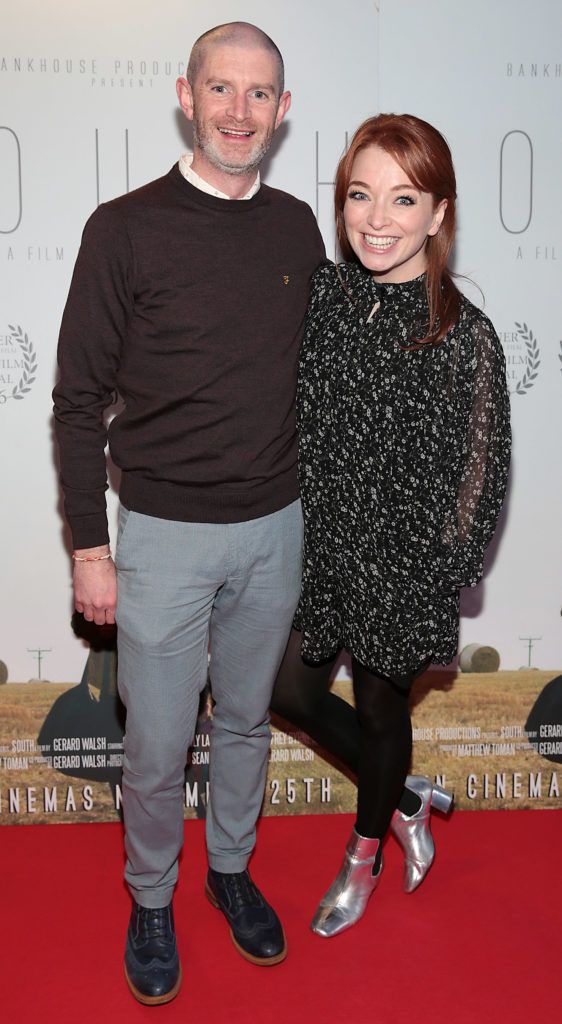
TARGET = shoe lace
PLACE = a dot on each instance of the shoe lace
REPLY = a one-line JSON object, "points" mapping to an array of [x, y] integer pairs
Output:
{"points": [[242, 889], [153, 921]]}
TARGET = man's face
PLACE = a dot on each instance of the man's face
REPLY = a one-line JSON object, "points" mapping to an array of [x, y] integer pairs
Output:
{"points": [[235, 107]]}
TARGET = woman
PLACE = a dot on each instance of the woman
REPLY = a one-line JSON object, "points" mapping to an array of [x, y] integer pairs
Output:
{"points": [[404, 450]]}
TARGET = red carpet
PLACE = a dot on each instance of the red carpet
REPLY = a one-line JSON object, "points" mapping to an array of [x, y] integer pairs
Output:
{"points": [[478, 942]]}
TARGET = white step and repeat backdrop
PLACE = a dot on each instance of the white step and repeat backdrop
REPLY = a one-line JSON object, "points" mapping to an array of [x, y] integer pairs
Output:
{"points": [[88, 112]]}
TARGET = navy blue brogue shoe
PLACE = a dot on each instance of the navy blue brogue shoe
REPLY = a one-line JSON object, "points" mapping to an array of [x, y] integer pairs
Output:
{"points": [[255, 929], [152, 965]]}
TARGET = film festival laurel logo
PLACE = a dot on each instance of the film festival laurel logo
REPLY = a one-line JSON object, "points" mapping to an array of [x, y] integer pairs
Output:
{"points": [[522, 357], [18, 364]]}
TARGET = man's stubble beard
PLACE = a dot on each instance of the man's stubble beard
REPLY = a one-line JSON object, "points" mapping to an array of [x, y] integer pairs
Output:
{"points": [[203, 137]]}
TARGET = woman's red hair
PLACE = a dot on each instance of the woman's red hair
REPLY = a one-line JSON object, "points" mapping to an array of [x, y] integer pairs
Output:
{"points": [[423, 154]]}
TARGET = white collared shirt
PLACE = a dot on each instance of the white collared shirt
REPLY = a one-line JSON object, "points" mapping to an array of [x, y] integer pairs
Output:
{"points": [[190, 175]]}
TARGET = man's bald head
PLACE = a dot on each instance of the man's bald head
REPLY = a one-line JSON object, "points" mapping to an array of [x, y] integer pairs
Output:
{"points": [[234, 33]]}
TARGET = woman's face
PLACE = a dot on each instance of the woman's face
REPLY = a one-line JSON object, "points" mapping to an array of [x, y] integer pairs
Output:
{"points": [[388, 220]]}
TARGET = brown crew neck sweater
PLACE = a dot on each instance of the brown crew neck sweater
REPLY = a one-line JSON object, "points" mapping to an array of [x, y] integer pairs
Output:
{"points": [[192, 308]]}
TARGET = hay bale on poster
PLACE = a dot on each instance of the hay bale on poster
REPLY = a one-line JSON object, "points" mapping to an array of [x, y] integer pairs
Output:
{"points": [[3, 673], [479, 658]]}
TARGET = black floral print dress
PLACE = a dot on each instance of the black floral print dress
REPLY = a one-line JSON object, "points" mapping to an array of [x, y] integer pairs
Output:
{"points": [[403, 464]]}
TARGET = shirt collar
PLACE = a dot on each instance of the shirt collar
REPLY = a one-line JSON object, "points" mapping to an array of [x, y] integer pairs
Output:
{"points": [[186, 169]]}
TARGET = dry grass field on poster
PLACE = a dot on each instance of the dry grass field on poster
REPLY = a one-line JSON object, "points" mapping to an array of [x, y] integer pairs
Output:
{"points": [[23, 708], [498, 705], [493, 708]]}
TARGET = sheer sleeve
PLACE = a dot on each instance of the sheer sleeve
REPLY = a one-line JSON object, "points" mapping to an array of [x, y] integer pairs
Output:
{"points": [[477, 476]]}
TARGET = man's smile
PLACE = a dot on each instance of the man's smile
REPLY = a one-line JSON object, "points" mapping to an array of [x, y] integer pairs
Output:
{"points": [[237, 133]]}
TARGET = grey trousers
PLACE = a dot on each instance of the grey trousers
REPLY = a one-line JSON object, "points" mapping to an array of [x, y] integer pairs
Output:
{"points": [[181, 587]]}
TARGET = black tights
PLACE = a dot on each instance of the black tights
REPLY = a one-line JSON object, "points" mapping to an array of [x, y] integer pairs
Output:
{"points": [[373, 740]]}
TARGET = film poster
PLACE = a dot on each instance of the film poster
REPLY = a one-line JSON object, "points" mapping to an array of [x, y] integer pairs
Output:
{"points": [[494, 739]]}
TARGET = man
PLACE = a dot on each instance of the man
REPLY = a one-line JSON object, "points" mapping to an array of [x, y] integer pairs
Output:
{"points": [[188, 297]]}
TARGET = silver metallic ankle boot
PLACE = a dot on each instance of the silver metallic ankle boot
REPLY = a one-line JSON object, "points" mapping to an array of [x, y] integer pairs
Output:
{"points": [[347, 897], [414, 834]]}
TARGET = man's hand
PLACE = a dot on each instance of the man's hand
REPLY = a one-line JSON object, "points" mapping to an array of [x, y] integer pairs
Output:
{"points": [[95, 586]]}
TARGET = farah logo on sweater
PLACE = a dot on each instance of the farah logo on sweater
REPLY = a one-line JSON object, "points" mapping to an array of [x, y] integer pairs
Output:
{"points": [[285, 279]]}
